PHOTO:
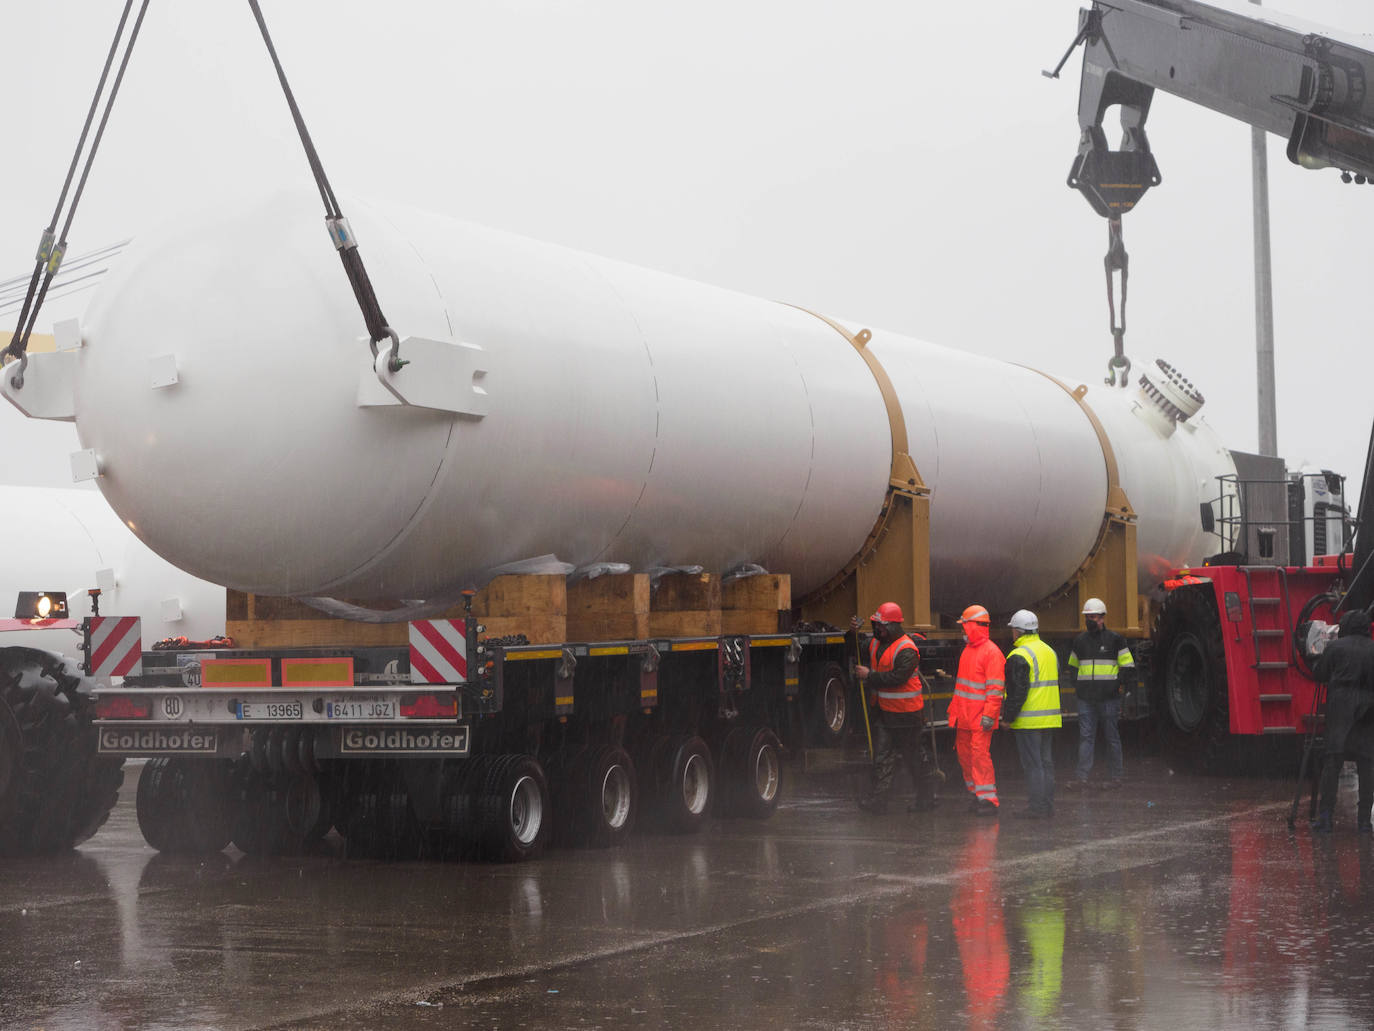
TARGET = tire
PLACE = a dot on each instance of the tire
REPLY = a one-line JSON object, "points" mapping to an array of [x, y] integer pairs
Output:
{"points": [[608, 799], [828, 705], [330, 805], [688, 791], [459, 786], [257, 817], [183, 806], [378, 821], [563, 770], [752, 780], [155, 806], [1190, 691], [513, 810], [55, 789]]}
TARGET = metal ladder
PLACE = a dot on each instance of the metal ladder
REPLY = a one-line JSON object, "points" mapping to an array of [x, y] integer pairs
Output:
{"points": [[1271, 618]]}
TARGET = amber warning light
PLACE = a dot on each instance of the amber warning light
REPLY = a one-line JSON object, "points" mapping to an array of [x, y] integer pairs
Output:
{"points": [[41, 605]]}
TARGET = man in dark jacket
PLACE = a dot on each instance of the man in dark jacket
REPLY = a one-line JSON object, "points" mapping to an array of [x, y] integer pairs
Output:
{"points": [[1347, 669], [1100, 665]]}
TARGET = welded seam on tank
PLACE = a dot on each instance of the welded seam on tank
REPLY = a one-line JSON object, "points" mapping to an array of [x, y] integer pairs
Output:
{"points": [[658, 411], [882, 886], [407, 527], [86, 530]]}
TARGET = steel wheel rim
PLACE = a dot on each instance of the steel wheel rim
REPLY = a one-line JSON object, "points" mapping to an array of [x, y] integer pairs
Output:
{"points": [[696, 784], [526, 810], [834, 706], [767, 773], [615, 797]]}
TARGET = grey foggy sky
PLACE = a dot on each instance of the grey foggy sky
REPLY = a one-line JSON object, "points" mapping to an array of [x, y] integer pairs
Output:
{"points": [[898, 166]]}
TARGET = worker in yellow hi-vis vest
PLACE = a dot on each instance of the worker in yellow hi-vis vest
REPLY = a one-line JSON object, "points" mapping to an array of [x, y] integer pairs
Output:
{"points": [[1031, 709]]}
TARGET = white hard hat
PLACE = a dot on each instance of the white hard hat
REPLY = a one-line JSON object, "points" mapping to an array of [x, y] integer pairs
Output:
{"points": [[1024, 619], [1094, 607]]}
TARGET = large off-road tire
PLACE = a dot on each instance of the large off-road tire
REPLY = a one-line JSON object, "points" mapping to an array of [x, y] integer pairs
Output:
{"points": [[11, 751], [55, 790], [513, 809], [751, 773], [1190, 694], [828, 704]]}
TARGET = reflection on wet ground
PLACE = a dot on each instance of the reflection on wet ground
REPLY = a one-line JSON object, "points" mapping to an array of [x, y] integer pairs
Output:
{"points": [[1175, 903]]}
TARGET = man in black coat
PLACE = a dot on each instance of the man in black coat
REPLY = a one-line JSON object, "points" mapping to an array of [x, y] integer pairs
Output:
{"points": [[1347, 668]]}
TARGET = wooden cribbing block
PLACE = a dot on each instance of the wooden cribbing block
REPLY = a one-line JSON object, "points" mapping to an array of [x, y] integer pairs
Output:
{"points": [[686, 605], [755, 604], [264, 621], [535, 605], [612, 607], [678, 591], [523, 594], [687, 623], [322, 632], [537, 629]]}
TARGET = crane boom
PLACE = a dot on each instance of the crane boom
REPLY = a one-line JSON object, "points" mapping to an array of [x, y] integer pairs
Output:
{"points": [[1297, 80]]}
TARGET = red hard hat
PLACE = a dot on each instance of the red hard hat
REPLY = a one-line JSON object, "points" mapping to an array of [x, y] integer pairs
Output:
{"points": [[975, 614], [888, 612]]}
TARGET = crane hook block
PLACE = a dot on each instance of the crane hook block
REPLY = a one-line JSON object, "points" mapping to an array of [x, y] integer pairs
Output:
{"points": [[1113, 181]]}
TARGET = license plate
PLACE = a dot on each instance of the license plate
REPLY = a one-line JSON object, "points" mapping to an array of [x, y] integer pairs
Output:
{"points": [[361, 709], [269, 710]]}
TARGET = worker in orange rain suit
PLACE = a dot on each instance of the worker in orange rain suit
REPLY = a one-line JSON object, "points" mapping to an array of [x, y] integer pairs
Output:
{"points": [[892, 675], [976, 707], [980, 929]]}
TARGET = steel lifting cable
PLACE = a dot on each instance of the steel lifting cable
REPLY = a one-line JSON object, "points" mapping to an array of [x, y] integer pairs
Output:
{"points": [[1117, 260], [339, 230], [52, 247]]}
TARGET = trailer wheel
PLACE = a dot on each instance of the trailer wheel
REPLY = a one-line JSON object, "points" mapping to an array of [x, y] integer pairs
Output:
{"points": [[330, 805], [257, 820], [378, 821], [689, 789], [55, 789], [606, 811], [459, 786], [513, 809], [1190, 685], [828, 704], [183, 806], [752, 761], [155, 807], [562, 770]]}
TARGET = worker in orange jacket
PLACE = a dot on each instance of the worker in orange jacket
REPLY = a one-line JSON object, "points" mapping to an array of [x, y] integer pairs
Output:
{"points": [[976, 707], [892, 680]]}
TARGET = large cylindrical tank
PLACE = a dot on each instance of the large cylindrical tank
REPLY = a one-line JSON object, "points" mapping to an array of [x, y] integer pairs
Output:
{"points": [[631, 417]]}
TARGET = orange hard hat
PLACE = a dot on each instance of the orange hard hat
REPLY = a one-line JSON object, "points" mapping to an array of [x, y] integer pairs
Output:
{"points": [[888, 612], [975, 614]]}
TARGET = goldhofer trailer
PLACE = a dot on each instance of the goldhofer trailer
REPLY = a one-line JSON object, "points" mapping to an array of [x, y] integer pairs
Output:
{"points": [[460, 743]]}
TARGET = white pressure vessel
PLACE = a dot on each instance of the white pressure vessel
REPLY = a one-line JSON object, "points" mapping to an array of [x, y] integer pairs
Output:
{"points": [[626, 416]]}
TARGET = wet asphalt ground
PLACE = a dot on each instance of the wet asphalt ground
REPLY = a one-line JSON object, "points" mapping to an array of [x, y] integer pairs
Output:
{"points": [[1177, 902]]}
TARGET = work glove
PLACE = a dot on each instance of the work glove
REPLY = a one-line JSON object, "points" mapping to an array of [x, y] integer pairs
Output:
{"points": [[989, 723]]}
